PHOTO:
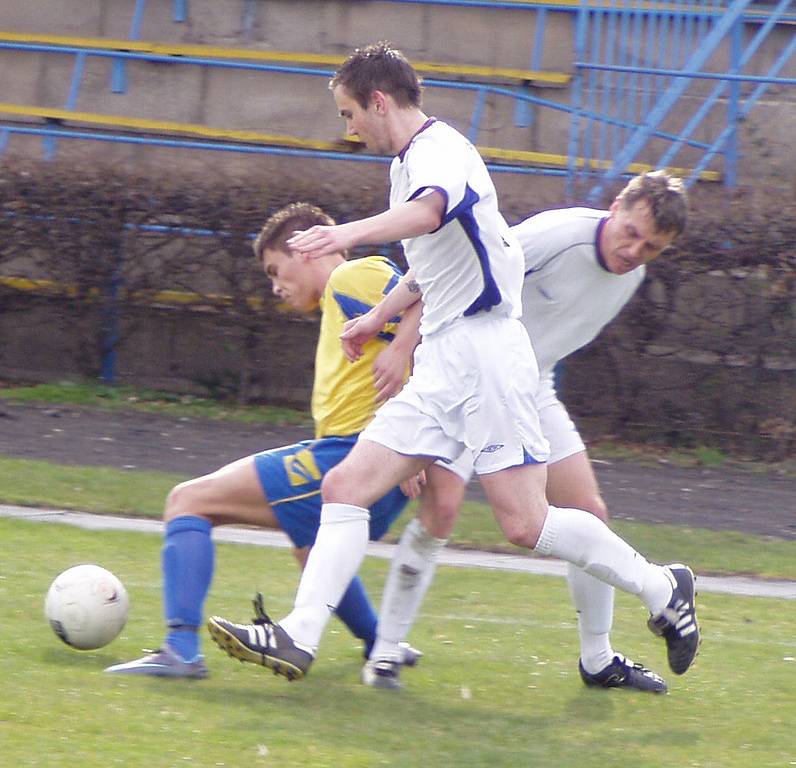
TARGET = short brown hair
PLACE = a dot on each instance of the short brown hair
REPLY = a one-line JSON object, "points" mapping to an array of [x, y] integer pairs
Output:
{"points": [[665, 195], [280, 226], [379, 67]]}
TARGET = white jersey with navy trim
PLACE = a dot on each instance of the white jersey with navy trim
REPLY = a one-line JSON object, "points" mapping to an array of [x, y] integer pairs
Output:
{"points": [[568, 296], [471, 263]]}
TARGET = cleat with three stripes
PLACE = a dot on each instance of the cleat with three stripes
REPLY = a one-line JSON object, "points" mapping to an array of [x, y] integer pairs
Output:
{"points": [[677, 623], [263, 642]]}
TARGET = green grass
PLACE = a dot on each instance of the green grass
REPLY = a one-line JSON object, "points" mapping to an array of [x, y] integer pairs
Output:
{"points": [[166, 403], [113, 491], [92, 489], [498, 687]]}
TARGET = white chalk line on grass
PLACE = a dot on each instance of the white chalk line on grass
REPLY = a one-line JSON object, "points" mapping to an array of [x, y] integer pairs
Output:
{"points": [[458, 558]]}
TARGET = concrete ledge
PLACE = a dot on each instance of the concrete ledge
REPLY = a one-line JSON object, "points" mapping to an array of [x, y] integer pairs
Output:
{"points": [[457, 558]]}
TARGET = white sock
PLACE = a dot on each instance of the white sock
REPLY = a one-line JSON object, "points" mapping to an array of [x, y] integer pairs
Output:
{"points": [[586, 541], [411, 571], [333, 561], [594, 602]]}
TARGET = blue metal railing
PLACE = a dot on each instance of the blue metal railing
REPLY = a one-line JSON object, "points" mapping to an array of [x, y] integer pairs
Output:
{"points": [[481, 90], [636, 64], [649, 71], [520, 95]]}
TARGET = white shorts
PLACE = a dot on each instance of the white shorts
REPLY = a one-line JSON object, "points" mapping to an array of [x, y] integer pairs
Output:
{"points": [[471, 390], [557, 427]]}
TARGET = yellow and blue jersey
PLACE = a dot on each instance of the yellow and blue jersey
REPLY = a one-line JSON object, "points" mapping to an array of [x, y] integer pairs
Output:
{"points": [[344, 394], [343, 402]]}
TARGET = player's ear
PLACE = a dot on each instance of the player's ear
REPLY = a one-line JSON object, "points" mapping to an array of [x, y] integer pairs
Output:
{"points": [[302, 256], [379, 101]]}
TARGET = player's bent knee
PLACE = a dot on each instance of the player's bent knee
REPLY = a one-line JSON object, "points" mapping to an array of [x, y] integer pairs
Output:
{"points": [[184, 499], [174, 502], [336, 486], [439, 519], [521, 533]]}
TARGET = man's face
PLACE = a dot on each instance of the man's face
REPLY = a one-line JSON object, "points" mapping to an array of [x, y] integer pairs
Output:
{"points": [[629, 238], [291, 278], [368, 124]]}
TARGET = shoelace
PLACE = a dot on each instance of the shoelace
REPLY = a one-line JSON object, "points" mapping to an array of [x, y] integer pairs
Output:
{"points": [[260, 617]]}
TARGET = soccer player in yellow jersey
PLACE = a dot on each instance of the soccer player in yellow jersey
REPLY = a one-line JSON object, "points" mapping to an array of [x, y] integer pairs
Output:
{"points": [[280, 488]]}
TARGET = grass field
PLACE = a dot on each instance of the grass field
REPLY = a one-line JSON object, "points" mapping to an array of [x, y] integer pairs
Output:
{"points": [[498, 686]]}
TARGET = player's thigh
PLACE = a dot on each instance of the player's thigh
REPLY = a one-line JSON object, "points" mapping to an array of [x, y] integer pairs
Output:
{"points": [[517, 498], [571, 482], [231, 494], [368, 472]]}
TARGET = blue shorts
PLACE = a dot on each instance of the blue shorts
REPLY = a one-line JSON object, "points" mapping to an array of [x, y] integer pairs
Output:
{"points": [[291, 479]]}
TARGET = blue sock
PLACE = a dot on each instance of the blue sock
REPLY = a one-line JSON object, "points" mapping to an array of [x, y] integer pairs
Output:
{"points": [[356, 612], [187, 560]]}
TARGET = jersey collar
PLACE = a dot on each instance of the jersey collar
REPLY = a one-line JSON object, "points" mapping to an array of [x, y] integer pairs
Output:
{"points": [[600, 257], [415, 135]]}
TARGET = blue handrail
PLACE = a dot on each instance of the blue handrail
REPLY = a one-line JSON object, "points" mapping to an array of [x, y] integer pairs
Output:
{"points": [[632, 66]]}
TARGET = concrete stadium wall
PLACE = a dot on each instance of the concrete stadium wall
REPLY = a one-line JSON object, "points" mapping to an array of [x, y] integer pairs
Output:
{"points": [[300, 104]]}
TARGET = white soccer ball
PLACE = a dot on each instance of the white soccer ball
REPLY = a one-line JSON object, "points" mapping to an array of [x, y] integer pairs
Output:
{"points": [[86, 606]]}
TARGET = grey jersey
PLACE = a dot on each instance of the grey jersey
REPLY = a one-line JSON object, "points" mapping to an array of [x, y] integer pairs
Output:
{"points": [[568, 296]]}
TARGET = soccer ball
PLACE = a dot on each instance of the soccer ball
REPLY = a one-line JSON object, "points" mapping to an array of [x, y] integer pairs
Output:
{"points": [[86, 606]]}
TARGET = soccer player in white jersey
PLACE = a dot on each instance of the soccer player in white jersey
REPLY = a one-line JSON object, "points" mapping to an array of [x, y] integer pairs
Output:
{"points": [[472, 387], [581, 267]]}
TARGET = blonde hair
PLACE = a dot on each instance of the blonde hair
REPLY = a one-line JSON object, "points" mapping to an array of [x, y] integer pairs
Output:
{"points": [[665, 195]]}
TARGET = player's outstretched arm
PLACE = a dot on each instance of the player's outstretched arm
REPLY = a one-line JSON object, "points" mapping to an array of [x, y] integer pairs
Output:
{"points": [[410, 219]]}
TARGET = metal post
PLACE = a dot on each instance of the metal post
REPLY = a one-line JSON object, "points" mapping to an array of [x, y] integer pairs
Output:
{"points": [[119, 71], [731, 156], [581, 25], [523, 112], [179, 9], [110, 324], [51, 142], [478, 111]]}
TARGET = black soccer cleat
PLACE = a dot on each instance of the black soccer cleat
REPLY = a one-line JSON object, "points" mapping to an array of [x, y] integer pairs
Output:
{"points": [[623, 673], [677, 623], [262, 642]]}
